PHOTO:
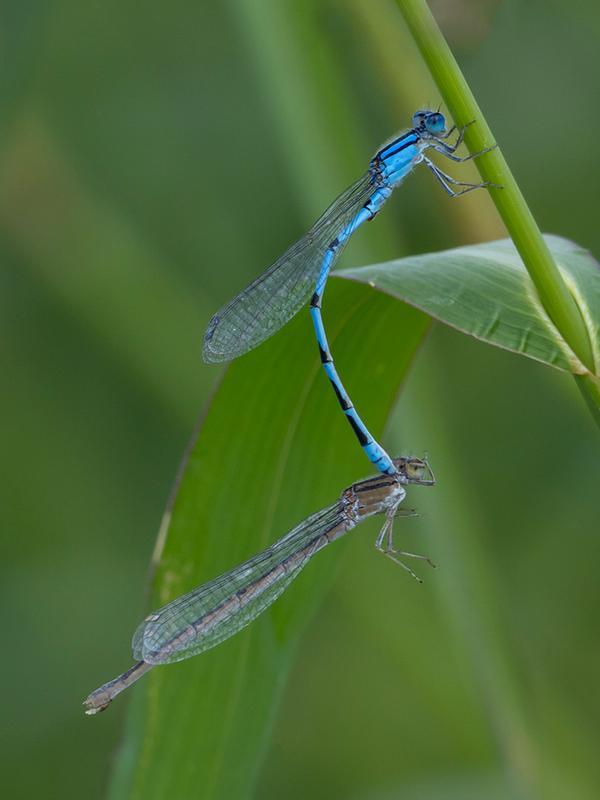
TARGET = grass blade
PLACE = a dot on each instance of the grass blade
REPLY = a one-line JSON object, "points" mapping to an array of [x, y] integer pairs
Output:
{"points": [[485, 291]]}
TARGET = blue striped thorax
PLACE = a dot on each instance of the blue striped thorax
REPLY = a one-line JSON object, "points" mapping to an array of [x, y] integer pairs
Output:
{"points": [[397, 157]]}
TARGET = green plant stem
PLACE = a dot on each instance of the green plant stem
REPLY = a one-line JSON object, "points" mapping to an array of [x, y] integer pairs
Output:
{"points": [[590, 389], [552, 290]]}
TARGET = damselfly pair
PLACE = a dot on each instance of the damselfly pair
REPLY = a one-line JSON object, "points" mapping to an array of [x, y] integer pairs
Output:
{"points": [[215, 611]]}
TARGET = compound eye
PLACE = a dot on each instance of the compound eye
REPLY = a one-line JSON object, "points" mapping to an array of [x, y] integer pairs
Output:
{"points": [[415, 469], [435, 123]]}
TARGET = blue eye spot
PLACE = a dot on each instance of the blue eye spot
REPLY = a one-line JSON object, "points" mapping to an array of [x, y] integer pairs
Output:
{"points": [[435, 123]]}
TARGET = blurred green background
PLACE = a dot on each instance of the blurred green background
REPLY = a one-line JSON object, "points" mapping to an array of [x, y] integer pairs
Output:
{"points": [[153, 159]]}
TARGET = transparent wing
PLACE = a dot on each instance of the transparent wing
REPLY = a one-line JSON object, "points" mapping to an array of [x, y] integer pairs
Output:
{"points": [[273, 298], [215, 611]]}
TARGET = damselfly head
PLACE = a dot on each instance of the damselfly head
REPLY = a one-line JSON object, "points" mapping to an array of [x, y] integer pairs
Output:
{"points": [[415, 470], [431, 122]]}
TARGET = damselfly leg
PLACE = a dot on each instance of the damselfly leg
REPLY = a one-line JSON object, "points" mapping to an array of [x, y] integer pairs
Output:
{"points": [[449, 150], [385, 542], [445, 181]]}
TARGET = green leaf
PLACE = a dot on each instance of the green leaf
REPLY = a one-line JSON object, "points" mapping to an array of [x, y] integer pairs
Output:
{"points": [[273, 448], [485, 291]]}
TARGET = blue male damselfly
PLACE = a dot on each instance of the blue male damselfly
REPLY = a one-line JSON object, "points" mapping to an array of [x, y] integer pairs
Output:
{"points": [[273, 298]]}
